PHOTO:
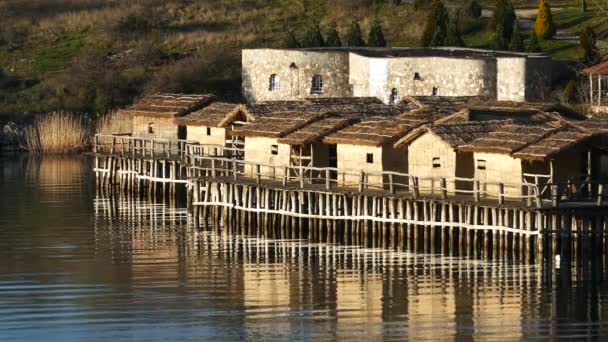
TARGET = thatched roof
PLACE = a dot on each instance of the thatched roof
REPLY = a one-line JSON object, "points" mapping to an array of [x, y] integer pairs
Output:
{"points": [[534, 112], [593, 126], [373, 131], [278, 124], [453, 133], [509, 138], [217, 114], [442, 104], [316, 130], [560, 139], [169, 105], [350, 106]]}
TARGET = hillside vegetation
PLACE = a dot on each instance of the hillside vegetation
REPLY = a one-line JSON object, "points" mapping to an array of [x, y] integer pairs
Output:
{"points": [[95, 55]]}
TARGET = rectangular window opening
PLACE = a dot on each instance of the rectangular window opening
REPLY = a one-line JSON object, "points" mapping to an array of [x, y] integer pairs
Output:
{"points": [[370, 158], [208, 130], [481, 164], [151, 128], [436, 162], [274, 149]]}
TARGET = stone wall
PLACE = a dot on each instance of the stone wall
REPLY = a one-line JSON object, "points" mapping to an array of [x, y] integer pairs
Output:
{"points": [[163, 128], [449, 76], [511, 79], [294, 69]]}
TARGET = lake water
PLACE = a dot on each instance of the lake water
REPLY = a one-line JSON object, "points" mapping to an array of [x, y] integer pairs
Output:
{"points": [[78, 266]]}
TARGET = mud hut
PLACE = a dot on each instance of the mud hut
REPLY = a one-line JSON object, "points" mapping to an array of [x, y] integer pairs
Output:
{"points": [[263, 147], [213, 124], [433, 153], [516, 154], [153, 116]]}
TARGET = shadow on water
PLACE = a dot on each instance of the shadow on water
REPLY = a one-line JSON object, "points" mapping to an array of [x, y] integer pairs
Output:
{"points": [[76, 264]]}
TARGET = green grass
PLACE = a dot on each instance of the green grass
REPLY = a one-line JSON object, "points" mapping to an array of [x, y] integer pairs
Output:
{"points": [[53, 58]]}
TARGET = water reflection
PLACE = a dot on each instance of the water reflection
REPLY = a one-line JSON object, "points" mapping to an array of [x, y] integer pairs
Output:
{"points": [[76, 265]]}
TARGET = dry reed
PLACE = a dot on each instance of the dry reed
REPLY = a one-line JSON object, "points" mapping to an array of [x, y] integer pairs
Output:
{"points": [[56, 132], [114, 123]]}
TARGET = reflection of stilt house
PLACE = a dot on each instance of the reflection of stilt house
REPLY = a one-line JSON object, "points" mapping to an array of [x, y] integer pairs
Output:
{"points": [[212, 125], [359, 303], [153, 116]]}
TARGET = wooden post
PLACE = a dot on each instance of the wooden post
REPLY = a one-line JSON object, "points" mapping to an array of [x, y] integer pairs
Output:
{"points": [[416, 187], [501, 193], [476, 190], [555, 195], [391, 183], [361, 181], [258, 175], [235, 170], [285, 173], [444, 188], [600, 195], [213, 167], [327, 180]]}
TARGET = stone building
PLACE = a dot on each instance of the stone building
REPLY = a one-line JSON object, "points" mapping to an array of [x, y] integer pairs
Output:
{"points": [[153, 116], [392, 73]]}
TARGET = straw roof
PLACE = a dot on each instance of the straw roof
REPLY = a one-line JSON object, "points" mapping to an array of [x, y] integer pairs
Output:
{"points": [[217, 114], [523, 111], [593, 126], [350, 106], [169, 105], [373, 131], [560, 139], [453, 133], [441, 104], [277, 125], [509, 138], [316, 130]]}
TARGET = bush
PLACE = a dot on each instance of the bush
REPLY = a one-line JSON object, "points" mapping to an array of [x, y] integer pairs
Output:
{"points": [[57, 132], [355, 38], [544, 26], [474, 9], [588, 42], [533, 45], [505, 18], [291, 41], [516, 44], [313, 37], [376, 37], [453, 37], [569, 93], [435, 29], [333, 38]]}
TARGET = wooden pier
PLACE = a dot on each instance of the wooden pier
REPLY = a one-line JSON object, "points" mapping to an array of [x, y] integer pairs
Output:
{"points": [[381, 209]]}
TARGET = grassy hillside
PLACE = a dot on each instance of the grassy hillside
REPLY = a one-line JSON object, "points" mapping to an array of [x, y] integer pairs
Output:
{"points": [[94, 55]]}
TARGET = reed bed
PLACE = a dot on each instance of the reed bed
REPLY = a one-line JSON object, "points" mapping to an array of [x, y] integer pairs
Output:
{"points": [[56, 133], [115, 122]]}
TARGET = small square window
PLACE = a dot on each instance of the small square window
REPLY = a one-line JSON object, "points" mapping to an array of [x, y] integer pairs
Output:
{"points": [[208, 130], [274, 149], [370, 158], [436, 162], [481, 164], [151, 128]]}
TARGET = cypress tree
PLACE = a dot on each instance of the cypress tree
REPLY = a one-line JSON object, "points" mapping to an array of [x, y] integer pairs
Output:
{"points": [[588, 41], [313, 37], [533, 45], [435, 29], [544, 26], [333, 38], [517, 44], [376, 37], [291, 41], [453, 37], [474, 9], [354, 36], [505, 21]]}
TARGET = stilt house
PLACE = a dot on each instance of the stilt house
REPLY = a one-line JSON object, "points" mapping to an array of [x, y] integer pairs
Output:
{"points": [[153, 116]]}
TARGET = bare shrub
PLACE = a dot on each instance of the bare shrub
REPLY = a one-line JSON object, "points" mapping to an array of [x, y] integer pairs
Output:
{"points": [[57, 132]]}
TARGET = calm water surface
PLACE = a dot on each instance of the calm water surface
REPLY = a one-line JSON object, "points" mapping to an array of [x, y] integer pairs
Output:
{"points": [[79, 266]]}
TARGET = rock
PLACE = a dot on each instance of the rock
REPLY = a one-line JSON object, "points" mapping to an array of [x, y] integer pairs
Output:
{"points": [[9, 136]]}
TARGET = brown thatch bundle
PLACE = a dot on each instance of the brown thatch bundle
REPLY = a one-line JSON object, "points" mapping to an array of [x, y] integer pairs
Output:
{"points": [[169, 105], [454, 133], [510, 138], [277, 125], [350, 106], [316, 130], [559, 140], [217, 114]]}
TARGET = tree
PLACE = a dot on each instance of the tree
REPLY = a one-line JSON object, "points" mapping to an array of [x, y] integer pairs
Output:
{"points": [[569, 92], [291, 41], [435, 29], [474, 9], [453, 37], [516, 44], [313, 37], [583, 5], [333, 38], [588, 41], [376, 37], [544, 26], [354, 35], [504, 15], [533, 45]]}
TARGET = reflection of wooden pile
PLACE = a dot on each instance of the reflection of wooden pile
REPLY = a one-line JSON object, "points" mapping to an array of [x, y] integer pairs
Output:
{"points": [[266, 286]]}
